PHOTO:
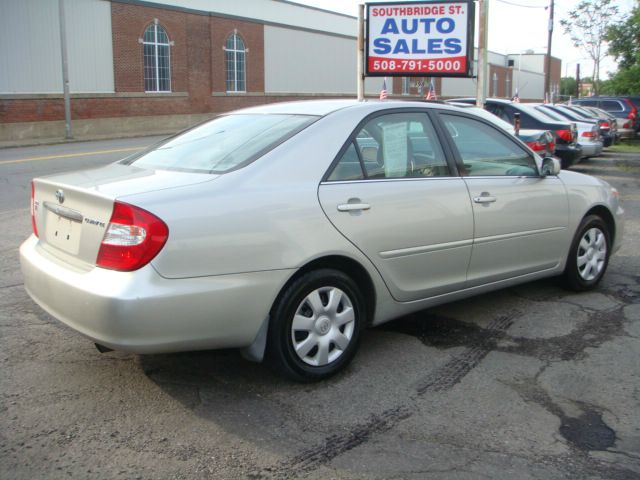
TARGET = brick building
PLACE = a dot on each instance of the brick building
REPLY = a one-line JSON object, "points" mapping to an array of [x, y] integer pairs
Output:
{"points": [[137, 66]]}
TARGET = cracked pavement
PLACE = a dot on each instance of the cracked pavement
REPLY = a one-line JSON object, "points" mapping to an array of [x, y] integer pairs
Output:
{"points": [[531, 382]]}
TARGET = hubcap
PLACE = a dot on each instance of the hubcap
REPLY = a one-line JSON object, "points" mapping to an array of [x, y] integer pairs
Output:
{"points": [[323, 326], [592, 254]]}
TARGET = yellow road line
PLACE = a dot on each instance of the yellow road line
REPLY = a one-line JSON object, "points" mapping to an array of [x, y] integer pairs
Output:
{"points": [[71, 155]]}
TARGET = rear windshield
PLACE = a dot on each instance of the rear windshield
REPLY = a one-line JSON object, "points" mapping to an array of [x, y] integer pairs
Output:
{"points": [[551, 114], [538, 115], [223, 144]]}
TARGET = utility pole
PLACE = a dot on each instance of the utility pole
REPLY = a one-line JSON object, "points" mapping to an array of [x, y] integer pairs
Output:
{"points": [[65, 72], [360, 54], [547, 73], [482, 53], [578, 80]]}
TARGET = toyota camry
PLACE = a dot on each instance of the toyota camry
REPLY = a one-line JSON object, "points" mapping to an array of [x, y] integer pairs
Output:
{"points": [[285, 230]]}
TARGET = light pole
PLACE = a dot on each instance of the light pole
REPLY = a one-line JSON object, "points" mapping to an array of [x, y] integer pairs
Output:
{"points": [[65, 71], [547, 73]]}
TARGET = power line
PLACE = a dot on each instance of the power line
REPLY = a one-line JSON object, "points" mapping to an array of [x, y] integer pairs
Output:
{"points": [[520, 5]]}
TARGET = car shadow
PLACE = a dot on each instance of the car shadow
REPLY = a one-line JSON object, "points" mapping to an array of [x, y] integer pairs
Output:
{"points": [[397, 363]]}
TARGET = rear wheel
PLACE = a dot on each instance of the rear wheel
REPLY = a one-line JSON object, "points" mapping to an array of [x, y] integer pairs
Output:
{"points": [[589, 255], [315, 325]]}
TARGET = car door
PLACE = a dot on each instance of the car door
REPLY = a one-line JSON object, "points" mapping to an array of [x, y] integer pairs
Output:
{"points": [[392, 193], [521, 219]]}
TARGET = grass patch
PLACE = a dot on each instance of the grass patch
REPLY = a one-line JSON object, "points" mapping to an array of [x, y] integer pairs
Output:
{"points": [[626, 146]]}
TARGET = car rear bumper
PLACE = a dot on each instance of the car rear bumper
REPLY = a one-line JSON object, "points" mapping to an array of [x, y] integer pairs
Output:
{"points": [[569, 154], [626, 133], [591, 149], [143, 312]]}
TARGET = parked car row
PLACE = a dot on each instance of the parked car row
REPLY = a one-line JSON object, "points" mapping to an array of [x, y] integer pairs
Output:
{"points": [[625, 109], [540, 141], [574, 132], [564, 132]]}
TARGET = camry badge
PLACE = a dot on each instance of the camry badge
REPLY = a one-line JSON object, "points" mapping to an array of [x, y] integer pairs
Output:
{"points": [[60, 196]]}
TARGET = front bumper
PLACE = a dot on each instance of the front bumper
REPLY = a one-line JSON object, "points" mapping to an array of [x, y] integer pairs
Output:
{"points": [[143, 312]]}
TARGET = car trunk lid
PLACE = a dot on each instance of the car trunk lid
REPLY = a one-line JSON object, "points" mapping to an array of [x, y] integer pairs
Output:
{"points": [[71, 211]]}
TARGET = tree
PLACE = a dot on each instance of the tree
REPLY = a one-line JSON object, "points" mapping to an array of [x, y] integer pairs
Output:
{"points": [[624, 45], [624, 40], [587, 27], [626, 81], [567, 86]]}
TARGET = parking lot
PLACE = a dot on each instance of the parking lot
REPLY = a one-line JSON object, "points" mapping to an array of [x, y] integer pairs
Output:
{"points": [[528, 382]]}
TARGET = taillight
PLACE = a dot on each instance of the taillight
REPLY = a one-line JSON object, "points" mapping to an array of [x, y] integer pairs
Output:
{"points": [[565, 135], [605, 124], [588, 134], [536, 146], [33, 209], [132, 239], [552, 146], [634, 110], [626, 125]]}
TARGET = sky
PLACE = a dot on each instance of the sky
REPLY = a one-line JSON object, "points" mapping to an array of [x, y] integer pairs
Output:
{"points": [[519, 25]]}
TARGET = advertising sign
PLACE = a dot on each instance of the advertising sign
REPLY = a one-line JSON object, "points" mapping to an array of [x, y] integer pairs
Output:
{"points": [[413, 39]]}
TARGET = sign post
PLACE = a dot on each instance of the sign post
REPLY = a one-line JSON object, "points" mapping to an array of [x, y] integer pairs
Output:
{"points": [[420, 39], [360, 53]]}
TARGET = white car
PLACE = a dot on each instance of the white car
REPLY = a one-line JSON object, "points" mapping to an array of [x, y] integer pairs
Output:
{"points": [[291, 227]]}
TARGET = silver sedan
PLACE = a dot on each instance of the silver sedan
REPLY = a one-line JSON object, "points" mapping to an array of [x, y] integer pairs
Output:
{"points": [[284, 230]]}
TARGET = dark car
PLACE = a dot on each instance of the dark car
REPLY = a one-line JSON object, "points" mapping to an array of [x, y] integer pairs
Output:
{"points": [[565, 133], [621, 107], [540, 141]]}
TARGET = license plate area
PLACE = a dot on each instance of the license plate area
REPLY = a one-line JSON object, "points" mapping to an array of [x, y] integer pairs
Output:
{"points": [[63, 233]]}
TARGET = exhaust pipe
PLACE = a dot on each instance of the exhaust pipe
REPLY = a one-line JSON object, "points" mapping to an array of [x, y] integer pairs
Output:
{"points": [[102, 348]]}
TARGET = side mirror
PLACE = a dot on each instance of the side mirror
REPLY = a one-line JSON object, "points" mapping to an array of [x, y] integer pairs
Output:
{"points": [[550, 166]]}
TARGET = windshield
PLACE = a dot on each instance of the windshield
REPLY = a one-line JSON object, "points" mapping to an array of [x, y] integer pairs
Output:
{"points": [[222, 144]]}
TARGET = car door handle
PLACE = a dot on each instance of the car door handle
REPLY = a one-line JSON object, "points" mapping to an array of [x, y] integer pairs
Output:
{"points": [[350, 207], [484, 199]]}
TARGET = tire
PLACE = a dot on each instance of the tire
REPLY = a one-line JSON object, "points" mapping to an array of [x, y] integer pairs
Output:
{"points": [[315, 325], [589, 255]]}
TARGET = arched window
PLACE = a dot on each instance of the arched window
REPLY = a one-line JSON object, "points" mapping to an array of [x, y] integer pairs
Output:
{"points": [[157, 60], [235, 62]]}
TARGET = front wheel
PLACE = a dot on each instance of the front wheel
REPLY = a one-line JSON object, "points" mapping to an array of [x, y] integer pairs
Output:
{"points": [[315, 325], [589, 255]]}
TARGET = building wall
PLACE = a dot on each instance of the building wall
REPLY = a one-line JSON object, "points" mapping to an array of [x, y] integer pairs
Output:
{"points": [[308, 62], [275, 12], [129, 23], [253, 35], [293, 52], [531, 85], [30, 57], [503, 85]]}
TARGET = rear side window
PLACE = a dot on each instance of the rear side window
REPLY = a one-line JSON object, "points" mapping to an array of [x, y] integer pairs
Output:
{"points": [[349, 167], [589, 103], [486, 151], [397, 145], [222, 144], [611, 106]]}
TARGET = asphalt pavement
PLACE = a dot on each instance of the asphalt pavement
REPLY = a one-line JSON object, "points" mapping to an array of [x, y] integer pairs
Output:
{"points": [[531, 382]]}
